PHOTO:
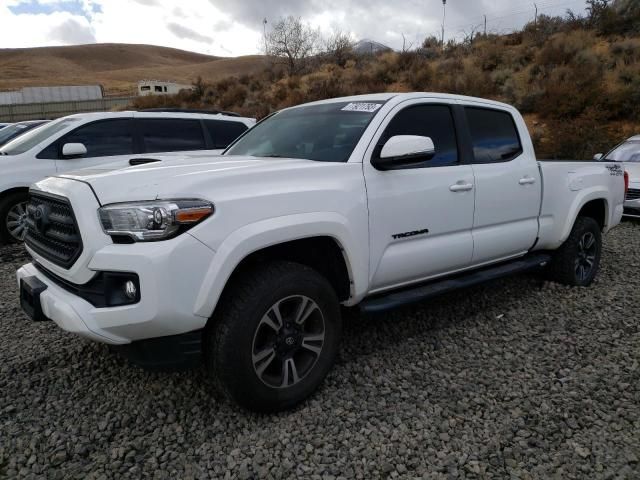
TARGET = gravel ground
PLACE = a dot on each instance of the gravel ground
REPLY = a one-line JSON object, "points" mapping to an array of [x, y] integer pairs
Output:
{"points": [[520, 378]]}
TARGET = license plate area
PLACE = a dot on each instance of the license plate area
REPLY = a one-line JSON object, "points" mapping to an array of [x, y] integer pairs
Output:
{"points": [[30, 290]]}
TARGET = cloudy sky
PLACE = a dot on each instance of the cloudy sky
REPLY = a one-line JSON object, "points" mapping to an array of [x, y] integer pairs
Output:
{"points": [[234, 27]]}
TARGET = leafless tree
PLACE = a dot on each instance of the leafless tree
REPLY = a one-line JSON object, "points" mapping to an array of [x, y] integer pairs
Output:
{"points": [[339, 48], [406, 47], [292, 43], [469, 35]]}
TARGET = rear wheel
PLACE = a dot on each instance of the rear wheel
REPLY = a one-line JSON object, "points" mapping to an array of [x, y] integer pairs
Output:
{"points": [[577, 261], [13, 215], [274, 337]]}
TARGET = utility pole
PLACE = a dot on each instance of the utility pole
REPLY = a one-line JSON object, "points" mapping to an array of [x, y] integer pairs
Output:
{"points": [[444, 16], [485, 25], [535, 21], [264, 27]]}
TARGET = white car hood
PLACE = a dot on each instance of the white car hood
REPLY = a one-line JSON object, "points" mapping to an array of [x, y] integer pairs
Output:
{"points": [[185, 177]]}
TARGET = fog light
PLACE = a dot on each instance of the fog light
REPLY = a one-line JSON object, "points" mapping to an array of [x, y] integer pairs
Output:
{"points": [[130, 290]]}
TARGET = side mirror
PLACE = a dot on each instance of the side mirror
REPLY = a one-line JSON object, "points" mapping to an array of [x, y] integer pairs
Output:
{"points": [[73, 150], [598, 156], [404, 151]]}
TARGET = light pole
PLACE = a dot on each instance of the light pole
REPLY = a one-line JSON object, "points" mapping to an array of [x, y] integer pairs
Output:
{"points": [[444, 16], [264, 28]]}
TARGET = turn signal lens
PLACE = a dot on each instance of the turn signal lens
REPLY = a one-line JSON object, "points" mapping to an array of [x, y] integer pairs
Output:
{"points": [[193, 215]]}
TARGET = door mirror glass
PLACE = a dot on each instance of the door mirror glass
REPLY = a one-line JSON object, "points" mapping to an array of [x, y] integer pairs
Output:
{"points": [[72, 150], [598, 156]]}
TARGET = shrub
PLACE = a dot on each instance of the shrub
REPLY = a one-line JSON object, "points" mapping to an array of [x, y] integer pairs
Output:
{"points": [[579, 138], [627, 50]]}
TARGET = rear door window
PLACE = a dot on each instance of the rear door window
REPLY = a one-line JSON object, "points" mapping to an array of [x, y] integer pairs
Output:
{"points": [[170, 135], [493, 134], [224, 132]]}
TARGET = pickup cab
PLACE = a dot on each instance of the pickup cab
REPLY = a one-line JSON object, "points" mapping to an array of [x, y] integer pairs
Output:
{"points": [[243, 261]]}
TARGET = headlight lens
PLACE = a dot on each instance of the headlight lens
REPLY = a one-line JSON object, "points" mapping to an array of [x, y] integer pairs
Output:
{"points": [[153, 220]]}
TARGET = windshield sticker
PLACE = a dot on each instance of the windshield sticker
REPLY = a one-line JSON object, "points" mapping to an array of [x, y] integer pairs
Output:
{"points": [[362, 107]]}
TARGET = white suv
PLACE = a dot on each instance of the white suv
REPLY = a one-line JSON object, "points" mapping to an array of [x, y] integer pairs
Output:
{"points": [[91, 139]]}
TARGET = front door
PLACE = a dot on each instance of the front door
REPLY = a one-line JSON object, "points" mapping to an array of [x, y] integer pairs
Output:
{"points": [[108, 141], [420, 218]]}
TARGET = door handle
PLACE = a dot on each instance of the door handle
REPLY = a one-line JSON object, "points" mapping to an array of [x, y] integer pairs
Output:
{"points": [[527, 181], [461, 187]]}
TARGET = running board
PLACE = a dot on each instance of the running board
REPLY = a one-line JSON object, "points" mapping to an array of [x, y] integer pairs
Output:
{"points": [[397, 298]]}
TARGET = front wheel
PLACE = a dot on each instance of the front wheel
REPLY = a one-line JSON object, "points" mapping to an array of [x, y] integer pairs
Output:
{"points": [[274, 337], [13, 216], [577, 261]]}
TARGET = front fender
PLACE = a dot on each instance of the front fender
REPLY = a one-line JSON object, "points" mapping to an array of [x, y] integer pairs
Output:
{"points": [[266, 233]]}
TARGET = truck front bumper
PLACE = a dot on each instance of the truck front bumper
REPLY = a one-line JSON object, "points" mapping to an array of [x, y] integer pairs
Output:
{"points": [[169, 274]]}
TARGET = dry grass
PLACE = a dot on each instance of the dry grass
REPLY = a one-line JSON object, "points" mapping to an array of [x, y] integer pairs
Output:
{"points": [[117, 67]]}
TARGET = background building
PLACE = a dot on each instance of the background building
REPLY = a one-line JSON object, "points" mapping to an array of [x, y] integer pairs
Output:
{"points": [[158, 87], [52, 94]]}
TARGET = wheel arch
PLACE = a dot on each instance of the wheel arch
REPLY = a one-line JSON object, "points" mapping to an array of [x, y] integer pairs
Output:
{"points": [[326, 246], [10, 191], [322, 253], [592, 204], [596, 209]]}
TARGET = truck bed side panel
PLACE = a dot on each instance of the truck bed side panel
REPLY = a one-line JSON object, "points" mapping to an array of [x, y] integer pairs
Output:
{"points": [[567, 187]]}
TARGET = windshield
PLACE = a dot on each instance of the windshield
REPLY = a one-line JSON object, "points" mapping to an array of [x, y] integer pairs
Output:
{"points": [[7, 133], [627, 152], [34, 137], [326, 133]]}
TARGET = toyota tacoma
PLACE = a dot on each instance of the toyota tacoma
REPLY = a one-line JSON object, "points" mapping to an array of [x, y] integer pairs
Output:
{"points": [[244, 261]]}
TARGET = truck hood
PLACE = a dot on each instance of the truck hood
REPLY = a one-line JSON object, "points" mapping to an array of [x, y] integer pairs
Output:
{"points": [[186, 177]]}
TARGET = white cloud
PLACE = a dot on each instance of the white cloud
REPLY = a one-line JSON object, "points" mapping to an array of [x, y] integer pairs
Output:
{"points": [[37, 30]]}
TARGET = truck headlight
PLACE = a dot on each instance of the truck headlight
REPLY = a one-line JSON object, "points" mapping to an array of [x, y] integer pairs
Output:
{"points": [[153, 220]]}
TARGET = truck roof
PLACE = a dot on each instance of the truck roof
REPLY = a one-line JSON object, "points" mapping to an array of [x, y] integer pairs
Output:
{"points": [[399, 97], [159, 114]]}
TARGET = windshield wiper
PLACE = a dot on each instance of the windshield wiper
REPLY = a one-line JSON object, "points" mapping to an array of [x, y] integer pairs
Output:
{"points": [[272, 155]]}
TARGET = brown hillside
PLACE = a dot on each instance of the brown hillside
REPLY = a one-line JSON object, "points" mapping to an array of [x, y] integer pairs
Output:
{"points": [[117, 67]]}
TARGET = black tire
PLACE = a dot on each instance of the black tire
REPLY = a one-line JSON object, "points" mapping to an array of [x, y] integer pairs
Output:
{"points": [[6, 204], [240, 323], [565, 265]]}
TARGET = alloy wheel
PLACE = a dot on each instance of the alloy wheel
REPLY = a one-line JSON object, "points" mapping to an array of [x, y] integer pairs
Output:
{"points": [[16, 221], [288, 341], [585, 260]]}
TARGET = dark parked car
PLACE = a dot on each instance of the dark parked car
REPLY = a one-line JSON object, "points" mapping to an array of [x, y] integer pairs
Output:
{"points": [[14, 130]]}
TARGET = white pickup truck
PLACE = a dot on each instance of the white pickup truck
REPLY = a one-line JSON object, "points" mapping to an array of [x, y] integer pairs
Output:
{"points": [[244, 259]]}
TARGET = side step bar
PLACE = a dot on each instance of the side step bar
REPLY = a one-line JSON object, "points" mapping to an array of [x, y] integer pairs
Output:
{"points": [[397, 298]]}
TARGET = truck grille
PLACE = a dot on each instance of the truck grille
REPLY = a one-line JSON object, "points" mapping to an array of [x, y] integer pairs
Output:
{"points": [[633, 194], [52, 230]]}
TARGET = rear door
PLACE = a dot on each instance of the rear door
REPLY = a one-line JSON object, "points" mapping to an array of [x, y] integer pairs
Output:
{"points": [[160, 135], [420, 218], [508, 185], [223, 132]]}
